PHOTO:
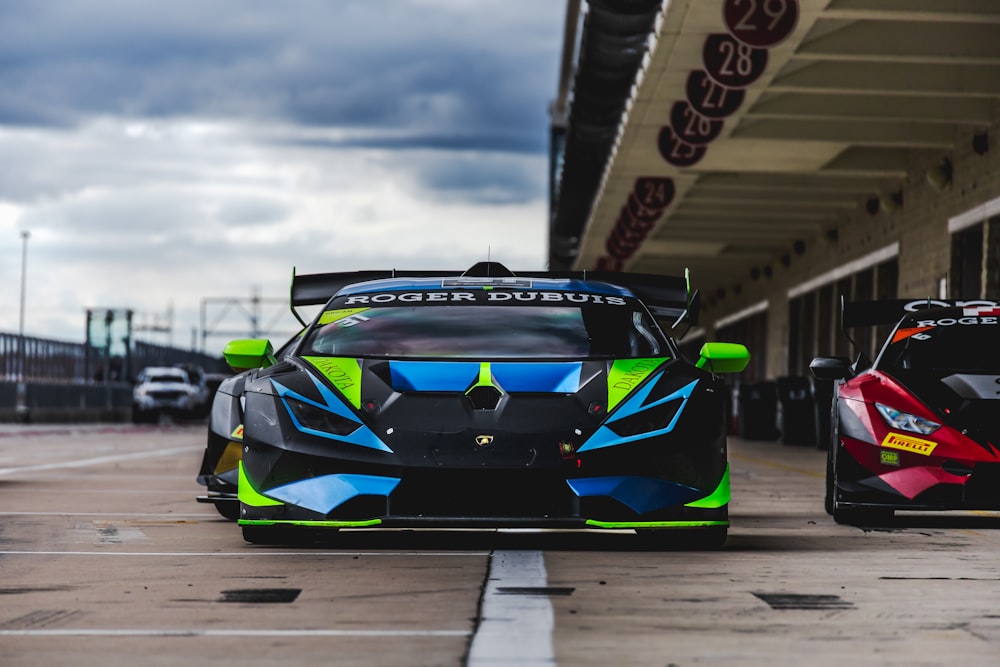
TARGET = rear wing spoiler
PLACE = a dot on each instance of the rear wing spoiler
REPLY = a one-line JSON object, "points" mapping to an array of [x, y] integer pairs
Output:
{"points": [[855, 314], [316, 288], [889, 311], [665, 296]]}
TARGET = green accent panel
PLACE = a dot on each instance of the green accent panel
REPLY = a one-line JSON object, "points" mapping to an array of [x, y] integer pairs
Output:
{"points": [[334, 315], [344, 373], [246, 353], [249, 495], [485, 377], [718, 498], [314, 524], [627, 374], [723, 357], [654, 524]]}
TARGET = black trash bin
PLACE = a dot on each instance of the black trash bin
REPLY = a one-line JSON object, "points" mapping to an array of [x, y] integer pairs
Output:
{"points": [[758, 404], [798, 410]]}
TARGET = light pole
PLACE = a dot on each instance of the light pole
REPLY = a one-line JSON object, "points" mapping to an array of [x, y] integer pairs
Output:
{"points": [[20, 330]]}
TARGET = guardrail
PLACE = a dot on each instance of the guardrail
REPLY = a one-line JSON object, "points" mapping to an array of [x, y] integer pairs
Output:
{"points": [[43, 380]]}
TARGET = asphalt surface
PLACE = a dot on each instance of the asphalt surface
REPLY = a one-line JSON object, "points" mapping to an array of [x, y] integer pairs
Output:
{"points": [[106, 559]]}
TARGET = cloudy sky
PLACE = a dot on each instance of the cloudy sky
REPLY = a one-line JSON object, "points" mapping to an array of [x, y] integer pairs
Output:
{"points": [[166, 155]]}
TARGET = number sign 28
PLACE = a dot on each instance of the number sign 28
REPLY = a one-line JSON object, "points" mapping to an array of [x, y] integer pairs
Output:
{"points": [[731, 63]]}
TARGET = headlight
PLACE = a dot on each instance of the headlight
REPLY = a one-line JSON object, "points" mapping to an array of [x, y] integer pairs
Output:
{"points": [[904, 421], [651, 419], [312, 417]]}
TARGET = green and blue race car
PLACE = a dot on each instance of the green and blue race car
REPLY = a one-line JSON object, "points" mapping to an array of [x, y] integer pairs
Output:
{"points": [[477, 399]]}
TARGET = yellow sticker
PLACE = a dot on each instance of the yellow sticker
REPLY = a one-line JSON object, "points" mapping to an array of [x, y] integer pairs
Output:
{"points": [[344, 374], [237, 433], [341, 314], [908, 443], [230, 458]]}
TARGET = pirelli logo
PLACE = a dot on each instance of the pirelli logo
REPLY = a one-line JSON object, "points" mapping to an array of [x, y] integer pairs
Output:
{"points": [[908, 443]]}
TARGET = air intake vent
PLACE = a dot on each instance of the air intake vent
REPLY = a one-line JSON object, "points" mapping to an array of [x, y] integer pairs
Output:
{"points": [[484, 398]]}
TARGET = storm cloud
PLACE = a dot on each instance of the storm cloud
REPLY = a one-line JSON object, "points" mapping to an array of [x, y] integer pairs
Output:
{"points": [[161, 153]]}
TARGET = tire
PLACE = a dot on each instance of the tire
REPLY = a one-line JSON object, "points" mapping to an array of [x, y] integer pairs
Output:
{"points": [[832, 445], [229, 510], [285, 535], [269, 535], [862, 516], [695, 539], [831, 481], [849, 515]]}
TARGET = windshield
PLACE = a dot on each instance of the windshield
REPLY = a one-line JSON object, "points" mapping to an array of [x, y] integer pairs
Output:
{"points": [[490, 331], [970, 347], [163, 375]]}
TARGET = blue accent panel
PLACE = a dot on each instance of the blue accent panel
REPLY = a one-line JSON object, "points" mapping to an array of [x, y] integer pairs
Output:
{"points": [[559, 378], [433, 375], [640, 494], [323, 494], [605, 437], [331, 402], [363, 436]]}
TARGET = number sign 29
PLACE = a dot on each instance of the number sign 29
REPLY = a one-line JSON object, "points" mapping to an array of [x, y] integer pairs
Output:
{"points": [[760, 23]]}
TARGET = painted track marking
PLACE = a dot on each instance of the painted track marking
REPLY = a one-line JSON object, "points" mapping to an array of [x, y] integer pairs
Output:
{"points": [[514, 629], [100, 460], [98, 632]]}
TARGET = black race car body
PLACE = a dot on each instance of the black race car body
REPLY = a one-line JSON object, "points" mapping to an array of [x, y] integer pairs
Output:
{"points": [[917, 430], [471, 400]]}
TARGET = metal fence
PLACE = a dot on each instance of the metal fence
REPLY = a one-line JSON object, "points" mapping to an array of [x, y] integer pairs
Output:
{"points": [[51, 380], [30, 358]]}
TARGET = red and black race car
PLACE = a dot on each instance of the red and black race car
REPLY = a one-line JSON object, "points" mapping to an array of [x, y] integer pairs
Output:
{"points": [[917, 429]]}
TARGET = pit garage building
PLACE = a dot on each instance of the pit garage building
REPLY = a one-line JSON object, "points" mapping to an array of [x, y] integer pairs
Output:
{"points": [[787, 152]]}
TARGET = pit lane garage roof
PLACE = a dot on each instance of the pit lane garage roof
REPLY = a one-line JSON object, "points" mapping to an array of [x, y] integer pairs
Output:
{"points": [[657, 167]]}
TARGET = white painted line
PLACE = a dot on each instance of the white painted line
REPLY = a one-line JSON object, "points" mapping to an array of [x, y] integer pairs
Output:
{"points": [[97, 632], [100, 460], [139, 515], [240, 554], [514, 629]]}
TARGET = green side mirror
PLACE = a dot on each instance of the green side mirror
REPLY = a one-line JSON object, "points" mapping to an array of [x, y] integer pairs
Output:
{"points": [[723, 357], [247, 353]]}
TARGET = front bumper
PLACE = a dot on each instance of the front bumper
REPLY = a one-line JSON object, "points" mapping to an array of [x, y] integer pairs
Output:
{"points": [[928, 484], [483, 499]]}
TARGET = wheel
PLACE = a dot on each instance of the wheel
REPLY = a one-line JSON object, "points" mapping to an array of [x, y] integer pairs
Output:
{"points": [[712, 537], [266, 534], [831, 452], [285, 535], [228, 509], [849, 515], [862, 516], [830, 479]]}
